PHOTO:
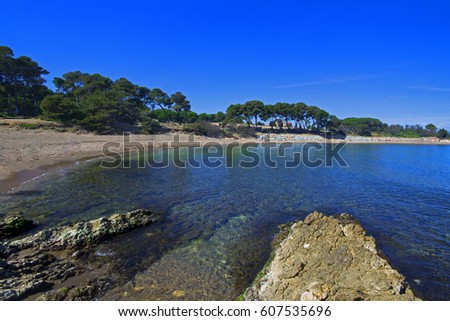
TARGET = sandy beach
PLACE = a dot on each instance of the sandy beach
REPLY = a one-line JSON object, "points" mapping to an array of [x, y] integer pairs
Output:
{"points": [[25, 154]]}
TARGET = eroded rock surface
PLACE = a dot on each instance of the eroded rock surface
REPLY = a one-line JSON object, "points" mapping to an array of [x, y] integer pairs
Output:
{"points": [[45, 260], [327, 258]]}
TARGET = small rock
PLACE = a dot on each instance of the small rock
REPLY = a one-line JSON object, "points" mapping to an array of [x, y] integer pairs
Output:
{"points": [[178, 293], [307, 296], [14, 225]]}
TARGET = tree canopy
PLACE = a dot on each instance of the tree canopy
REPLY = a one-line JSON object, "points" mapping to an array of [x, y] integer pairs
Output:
{"points": [[21, 84], [280, 114], [99, 104]]}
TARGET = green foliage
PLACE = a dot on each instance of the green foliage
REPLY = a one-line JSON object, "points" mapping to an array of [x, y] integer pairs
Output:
{"points": [[102, 112], [219, 117], [148, 124], [159, 98], [180, 103], [410, 134], [241, 297], [363, 126], [197, 128], [162, 116], [233, 130], [64, 291], [253, 108], [107, 105], [442, 134], [192, 117], [92, 101], [21, 84], [213, 118], [410, 131], [204, 129], [100, 122], [203, 117], [14, 225], [238, 112], [59, 107], [281, 115], [431, 128], [159, 115], [5, 114], [29, 126]]}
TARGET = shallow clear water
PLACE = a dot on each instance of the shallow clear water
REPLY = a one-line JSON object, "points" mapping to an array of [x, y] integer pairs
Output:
{"points": [[218, 223]]}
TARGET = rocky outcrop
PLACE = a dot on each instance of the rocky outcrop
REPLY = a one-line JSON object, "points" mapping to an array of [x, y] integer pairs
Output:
{"points": [[14, 225], [327, 258], [86, 292], [85, 233], [46, 259]]}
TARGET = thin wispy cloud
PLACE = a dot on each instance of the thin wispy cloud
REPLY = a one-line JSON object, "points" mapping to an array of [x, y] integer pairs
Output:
{"points": [[328, 81], [431, 88]]}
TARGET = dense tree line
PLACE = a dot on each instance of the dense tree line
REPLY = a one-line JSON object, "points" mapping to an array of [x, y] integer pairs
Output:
{"points": [[281, 115], [21, 84], [97, 103], [91, 101], [373, 126], [192, 117], [100, 104], [299, 117]]}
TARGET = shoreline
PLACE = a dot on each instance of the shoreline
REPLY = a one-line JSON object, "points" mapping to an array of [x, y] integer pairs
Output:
{"points": [[17, 179], [28, 154]]}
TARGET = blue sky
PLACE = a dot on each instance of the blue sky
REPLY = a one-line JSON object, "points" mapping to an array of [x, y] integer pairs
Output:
{"points": [[384, 59]]}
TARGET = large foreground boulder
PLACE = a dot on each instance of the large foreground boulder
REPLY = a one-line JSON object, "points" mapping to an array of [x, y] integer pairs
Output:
{"points": [[326, 258]]}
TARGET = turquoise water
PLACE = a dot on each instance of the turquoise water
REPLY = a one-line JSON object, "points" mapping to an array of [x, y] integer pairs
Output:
{"points": [[218, 223]]}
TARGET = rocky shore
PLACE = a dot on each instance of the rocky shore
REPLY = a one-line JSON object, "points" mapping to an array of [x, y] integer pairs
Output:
{"points": [[327, 258], [304, 138], [57, 262]]}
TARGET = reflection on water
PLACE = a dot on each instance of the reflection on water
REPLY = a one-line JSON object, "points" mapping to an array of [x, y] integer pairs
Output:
{"points": [[219, 222]]}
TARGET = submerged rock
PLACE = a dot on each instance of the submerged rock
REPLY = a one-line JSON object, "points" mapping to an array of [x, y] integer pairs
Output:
{"points": [[84, 233], [326, 258], [88, 291], [14, 225], [46, 259]]}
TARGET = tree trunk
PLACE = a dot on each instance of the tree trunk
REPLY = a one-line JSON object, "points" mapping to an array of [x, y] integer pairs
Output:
{"points": [[165, 113], [35, 106], [10, 109], [16, 100], [185, 116]]}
